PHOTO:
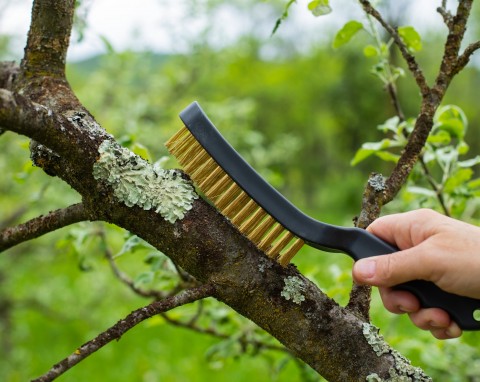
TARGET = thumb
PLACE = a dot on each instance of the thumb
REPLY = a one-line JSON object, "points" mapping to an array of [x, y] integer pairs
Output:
{"points": [[390, 270]]}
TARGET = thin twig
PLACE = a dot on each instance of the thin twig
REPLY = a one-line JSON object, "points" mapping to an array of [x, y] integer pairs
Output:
{"points": [[121, 327], [125, 279], [212, 332], [464, 58], [41, 225], [446, 15], [435, 187]]}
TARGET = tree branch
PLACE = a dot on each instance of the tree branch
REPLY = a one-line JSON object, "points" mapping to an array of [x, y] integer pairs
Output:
{"points": [[450, 60], [121, 327], [446, 15], [464, 59], [48, 39], [41, 225]]}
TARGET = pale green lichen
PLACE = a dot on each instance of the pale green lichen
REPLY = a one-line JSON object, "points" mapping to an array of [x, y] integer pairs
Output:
{"points": [[402, 371], [137, 182], [293, 289], [264, 264]]}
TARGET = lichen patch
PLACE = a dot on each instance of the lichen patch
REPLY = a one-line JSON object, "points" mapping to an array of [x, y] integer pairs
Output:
{"points": [[293, 289], [136, 182], [402, 371]]}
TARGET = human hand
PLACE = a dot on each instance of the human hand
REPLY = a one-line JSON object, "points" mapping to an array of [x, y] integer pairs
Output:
{"points": [[433, 247]]}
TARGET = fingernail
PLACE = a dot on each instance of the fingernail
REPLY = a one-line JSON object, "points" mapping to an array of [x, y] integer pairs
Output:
{"points": [[453, 331], [405, 310], [365, 268]]}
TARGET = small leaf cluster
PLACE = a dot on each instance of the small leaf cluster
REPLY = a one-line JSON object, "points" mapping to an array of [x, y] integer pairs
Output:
{"points": [[442, 174], [383, 68]]}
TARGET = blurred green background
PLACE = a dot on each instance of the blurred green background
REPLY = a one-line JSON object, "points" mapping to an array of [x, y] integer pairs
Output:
{"points": [[297, 112]]}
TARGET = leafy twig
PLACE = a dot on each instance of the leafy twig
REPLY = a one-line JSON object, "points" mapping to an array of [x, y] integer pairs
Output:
{"points": [[41, 225], [123, 277], [121, 327], [409, 58], [212, 332]]}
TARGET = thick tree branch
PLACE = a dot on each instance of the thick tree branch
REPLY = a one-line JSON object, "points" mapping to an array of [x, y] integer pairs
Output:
{"points": [[121, 327], [41, 225], [48, 39]]}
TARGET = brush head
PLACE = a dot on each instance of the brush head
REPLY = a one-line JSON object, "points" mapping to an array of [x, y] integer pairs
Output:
{"points": [[231, 200]]}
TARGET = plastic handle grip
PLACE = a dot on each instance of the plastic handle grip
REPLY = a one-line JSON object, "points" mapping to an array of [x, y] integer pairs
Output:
{"points": [[460, 308]]}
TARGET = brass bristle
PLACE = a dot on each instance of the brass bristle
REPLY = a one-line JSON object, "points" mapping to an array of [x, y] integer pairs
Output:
{"points": [[218, 188], [235, 206], [201, 171], [196, 161], [211, 179], [261, 229], [228, 196], [270, 237], [281, 243], [183, 143], [177, 137], [290, 252], [248, 225], [252, 220], [185, 155], [245, 212]]}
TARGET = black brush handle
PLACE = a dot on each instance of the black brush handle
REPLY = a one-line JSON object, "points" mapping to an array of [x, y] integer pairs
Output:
{"points": [[462, 309]]}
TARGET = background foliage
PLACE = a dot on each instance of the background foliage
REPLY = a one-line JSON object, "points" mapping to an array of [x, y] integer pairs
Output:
{"points": [[299, 116]]}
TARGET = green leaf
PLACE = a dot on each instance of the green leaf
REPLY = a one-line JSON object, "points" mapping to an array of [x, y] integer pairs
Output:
{"points": [[320, 7], [144, 278], [463, 148], [345, 34], [461, 176], [441, 137], [390, 124], [452, 119], [376, 148], [387, 156], [473, 184], [361, 155], [370, 51], [411, 38], [131, 245], [142, 151], [470, 162], [421, 191]]}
